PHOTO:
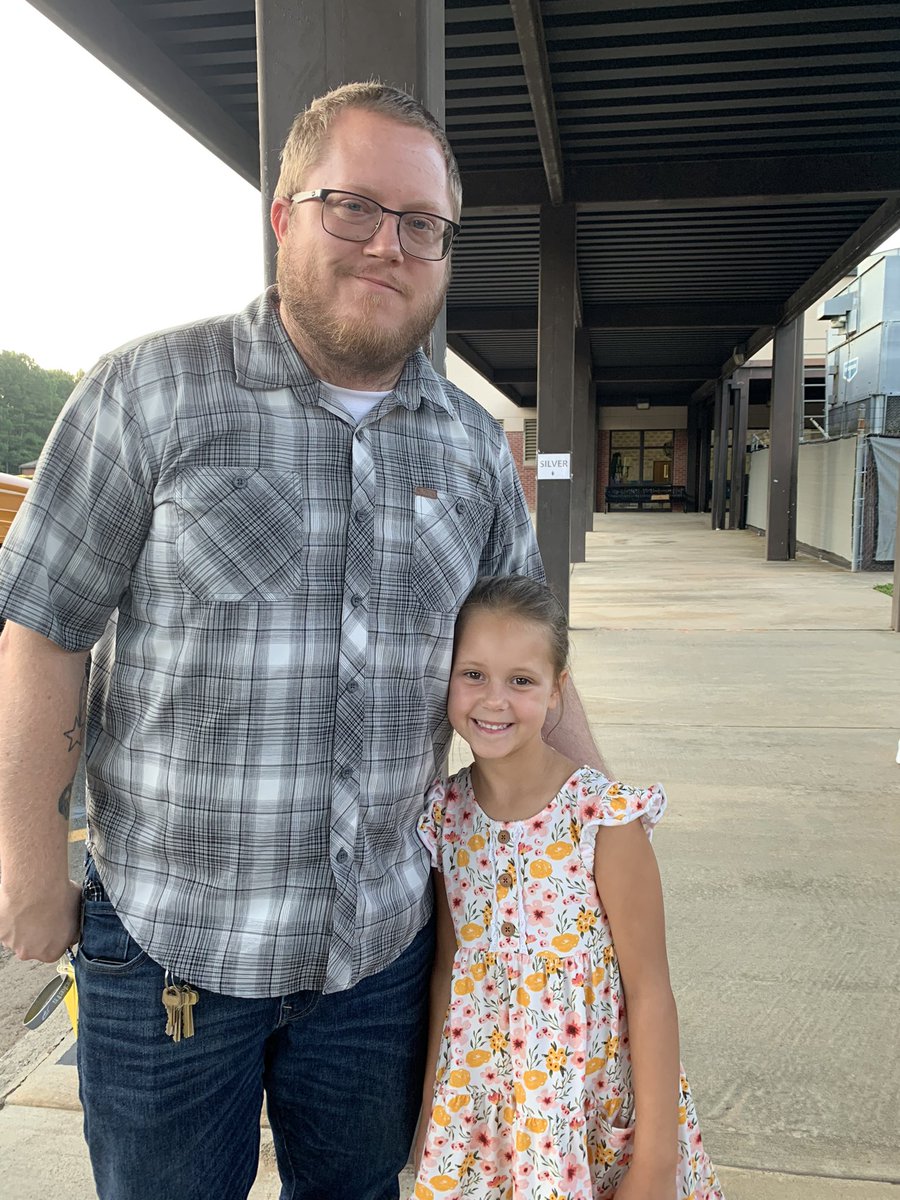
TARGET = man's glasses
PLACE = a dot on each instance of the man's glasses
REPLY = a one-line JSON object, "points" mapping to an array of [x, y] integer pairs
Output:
{"points": [[357, 218]]}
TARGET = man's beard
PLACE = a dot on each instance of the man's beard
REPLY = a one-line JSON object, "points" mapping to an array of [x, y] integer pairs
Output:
{"points": [[360, 345]]}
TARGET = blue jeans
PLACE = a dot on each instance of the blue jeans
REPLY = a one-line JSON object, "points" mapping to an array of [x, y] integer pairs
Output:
{"points": [[342, 1076]]}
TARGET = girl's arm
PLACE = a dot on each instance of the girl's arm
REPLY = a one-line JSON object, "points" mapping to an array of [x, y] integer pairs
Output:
{"points": [[628, 882], [441, 974], [567, 730]]}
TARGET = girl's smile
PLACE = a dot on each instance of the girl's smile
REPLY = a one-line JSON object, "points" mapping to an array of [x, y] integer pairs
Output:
{"points": [[502, 684]]}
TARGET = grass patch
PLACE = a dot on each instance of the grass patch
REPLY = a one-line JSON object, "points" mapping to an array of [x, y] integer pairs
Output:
{"points": [[887, 588]]}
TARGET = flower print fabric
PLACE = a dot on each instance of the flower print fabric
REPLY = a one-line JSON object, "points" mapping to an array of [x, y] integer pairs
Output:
{"points": [[533, 1097]]}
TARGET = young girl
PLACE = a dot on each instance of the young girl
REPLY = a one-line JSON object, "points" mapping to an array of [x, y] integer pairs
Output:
{"points": [[549, 914]]}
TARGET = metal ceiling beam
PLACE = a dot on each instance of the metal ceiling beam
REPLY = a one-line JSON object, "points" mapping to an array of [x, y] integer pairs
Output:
{"points": [[530, 32], [525, 378], [184, 9], [741, 20], [861, 242], [608, 373], [461, 347], [502, 319], [727, 315], [741, 182], [617, 399], [100, 27]]}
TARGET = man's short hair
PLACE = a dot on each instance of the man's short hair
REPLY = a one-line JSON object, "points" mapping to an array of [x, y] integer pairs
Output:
{"points": [[309, 131]]}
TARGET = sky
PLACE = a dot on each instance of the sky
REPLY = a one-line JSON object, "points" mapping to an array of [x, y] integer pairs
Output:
{"points": [[114, 222]]}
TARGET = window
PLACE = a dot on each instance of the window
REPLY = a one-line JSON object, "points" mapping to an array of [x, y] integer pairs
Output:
{"points": [[529, 453], [813, 408], [640, 456]]}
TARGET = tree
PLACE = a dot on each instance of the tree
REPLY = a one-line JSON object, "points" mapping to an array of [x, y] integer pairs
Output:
{"points": [[30, 400]]}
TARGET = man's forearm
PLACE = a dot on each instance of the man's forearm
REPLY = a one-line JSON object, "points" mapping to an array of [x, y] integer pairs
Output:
{"points": [[567, 730], [42, 700]]}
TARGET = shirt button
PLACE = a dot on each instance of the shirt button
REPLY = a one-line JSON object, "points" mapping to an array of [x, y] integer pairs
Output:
{"points": [[503, 837], [356, 601], [508, 929], [352, 686], [345, 773], [460, 507], [505, 880], [239, 481], [360, 516], [342, 856]]}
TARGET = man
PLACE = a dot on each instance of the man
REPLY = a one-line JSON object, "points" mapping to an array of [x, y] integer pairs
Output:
{"points": [[267, 524]]}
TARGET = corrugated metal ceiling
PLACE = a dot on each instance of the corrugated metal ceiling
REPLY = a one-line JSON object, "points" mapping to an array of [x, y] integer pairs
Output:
{"points": [[673, 91]]}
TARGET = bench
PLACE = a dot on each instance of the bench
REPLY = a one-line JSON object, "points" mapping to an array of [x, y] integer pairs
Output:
{"points": [[645, 493]]}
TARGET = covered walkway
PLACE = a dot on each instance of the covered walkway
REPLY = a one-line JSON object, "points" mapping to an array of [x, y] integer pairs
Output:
{"points": [[766, 696], [652, 192]]}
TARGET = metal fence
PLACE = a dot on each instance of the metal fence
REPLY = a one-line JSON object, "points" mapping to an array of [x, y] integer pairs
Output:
{"points": [[878, 415]]}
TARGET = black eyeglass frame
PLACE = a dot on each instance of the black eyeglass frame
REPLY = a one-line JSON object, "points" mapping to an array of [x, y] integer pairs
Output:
{"points": [[323, 194]]}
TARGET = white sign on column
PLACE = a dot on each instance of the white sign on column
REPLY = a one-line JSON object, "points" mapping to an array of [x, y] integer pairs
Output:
{"points": [[554, 466]]}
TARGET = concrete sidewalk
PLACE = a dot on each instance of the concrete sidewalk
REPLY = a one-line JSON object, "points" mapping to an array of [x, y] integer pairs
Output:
{"points": [[767, 698]]}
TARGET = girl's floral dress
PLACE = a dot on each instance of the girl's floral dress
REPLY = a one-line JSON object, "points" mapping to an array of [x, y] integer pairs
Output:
{"points": [[533, 1098]]}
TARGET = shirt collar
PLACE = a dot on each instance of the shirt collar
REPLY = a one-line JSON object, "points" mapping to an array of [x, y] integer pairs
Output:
{"points": [[265, 358]]}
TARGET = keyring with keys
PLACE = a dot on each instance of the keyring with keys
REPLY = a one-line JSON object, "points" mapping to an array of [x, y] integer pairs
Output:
{"points": [[50, 997]]}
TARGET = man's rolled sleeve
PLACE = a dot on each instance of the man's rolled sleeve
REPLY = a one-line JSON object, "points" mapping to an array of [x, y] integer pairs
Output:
{"points": [[67, 560]]}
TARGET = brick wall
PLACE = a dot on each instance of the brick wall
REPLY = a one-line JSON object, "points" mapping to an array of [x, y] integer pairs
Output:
{"points": [[527, 475], [679, 458]]}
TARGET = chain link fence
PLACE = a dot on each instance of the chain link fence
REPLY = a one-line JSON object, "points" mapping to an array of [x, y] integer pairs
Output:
{"points": [[879, 415]]}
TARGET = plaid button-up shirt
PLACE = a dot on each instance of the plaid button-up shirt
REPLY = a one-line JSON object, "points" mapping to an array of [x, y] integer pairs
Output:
{"points": [[272, 590]]}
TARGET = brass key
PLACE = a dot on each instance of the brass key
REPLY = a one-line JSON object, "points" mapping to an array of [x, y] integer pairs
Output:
{"points": [[189, 998], [173, 999]]}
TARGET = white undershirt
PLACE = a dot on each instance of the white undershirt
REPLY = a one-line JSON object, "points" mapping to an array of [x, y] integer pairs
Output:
{"points": [[355, 404]]}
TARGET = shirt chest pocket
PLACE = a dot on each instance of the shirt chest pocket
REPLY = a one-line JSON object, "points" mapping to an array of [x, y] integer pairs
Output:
{"points": [[240, 533], [451, 532]]}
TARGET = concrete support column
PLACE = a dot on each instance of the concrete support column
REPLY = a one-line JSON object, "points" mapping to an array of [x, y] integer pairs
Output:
{"points": [[720, 462], [556, 387], [581, 446], [740, 399], [304, 50], [784, 451]]}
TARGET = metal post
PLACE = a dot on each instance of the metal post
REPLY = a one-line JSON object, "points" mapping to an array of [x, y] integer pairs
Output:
{"points": [[895, 604], [703, 483], [692, 470], [580, 445], [784, 452], [304, 50], [740, 397], [720, 463], [556, 387], [591, 481]]}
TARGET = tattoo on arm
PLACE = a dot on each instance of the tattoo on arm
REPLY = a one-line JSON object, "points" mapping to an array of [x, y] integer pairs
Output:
{"points": [[64, 802], [76, 733]]}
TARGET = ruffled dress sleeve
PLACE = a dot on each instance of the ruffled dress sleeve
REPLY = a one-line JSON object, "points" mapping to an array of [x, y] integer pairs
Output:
{"points": [[431, 822], [602, 801]]}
